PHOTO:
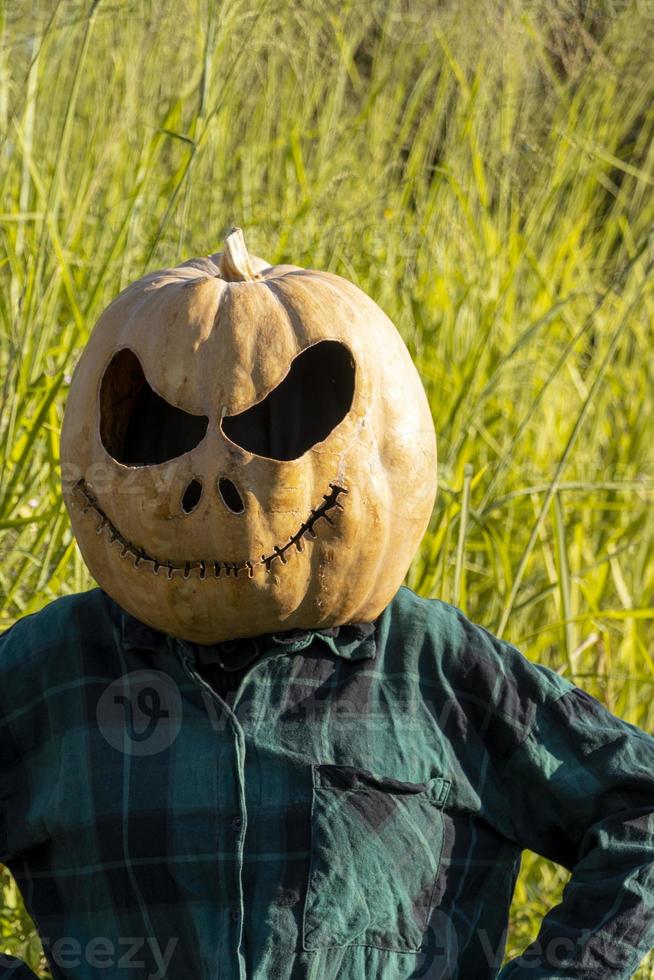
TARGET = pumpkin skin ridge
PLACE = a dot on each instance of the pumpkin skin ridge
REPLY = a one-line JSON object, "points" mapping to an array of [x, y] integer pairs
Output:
{"points": [[139, 555]]}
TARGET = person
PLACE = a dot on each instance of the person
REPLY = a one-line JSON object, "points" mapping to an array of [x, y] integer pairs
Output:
{"points": [[223, 767]]}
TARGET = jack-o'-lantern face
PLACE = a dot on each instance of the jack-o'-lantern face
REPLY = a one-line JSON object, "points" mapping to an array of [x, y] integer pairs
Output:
{"points": [[246, 449]]}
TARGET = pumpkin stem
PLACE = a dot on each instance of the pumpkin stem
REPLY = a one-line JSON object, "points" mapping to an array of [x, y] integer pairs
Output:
{"points": [[235, 264]]}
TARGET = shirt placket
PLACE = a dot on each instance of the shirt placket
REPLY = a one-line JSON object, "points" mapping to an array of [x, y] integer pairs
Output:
{"points": [[235, 963], [237, 826]]}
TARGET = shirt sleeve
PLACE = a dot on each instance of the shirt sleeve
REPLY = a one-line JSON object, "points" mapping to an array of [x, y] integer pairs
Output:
{"points": [[580, 791], [12, 968]]}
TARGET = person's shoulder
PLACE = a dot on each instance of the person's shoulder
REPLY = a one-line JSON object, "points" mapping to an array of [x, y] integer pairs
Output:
{"points": [[486, 682], [417, 629], [62, 623], [431, 624], [420, 616]]}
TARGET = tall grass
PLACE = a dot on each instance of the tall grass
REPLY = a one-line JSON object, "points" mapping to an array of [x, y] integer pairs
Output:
{"points": [[485, 171]]}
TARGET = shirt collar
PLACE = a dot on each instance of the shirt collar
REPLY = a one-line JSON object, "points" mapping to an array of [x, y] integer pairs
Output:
{"points": [[353, 641]]}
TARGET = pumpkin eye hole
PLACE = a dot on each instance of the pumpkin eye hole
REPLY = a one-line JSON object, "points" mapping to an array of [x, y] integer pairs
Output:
{"points": [[137, 426], [230, 496], [303, 409], [191, 497]]}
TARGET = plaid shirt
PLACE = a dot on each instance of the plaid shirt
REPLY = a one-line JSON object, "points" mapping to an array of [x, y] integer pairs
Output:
{"points": [[356, 809]]}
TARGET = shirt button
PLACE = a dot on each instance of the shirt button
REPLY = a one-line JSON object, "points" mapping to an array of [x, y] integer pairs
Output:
{"points": [[236, 823], [235, 915]]}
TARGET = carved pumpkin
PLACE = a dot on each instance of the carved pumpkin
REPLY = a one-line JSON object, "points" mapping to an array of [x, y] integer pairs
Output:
{"points": [[246, 449]]}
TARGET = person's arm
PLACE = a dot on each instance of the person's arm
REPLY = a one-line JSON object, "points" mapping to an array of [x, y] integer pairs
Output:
{"points": [[11, 968], [580, 791]]}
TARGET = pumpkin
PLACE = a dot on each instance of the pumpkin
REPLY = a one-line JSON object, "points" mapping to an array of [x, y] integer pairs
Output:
{"points": [[247, 449]]}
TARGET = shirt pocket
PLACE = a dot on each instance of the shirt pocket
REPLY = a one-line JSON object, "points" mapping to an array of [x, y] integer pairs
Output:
{"points": [[376, 846]]}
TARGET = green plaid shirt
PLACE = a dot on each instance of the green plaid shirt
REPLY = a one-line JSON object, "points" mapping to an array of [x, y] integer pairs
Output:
{"points": [[356, 809]]}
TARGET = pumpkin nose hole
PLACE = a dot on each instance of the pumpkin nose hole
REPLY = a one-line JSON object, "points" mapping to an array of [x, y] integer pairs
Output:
{"points": [[191, 497], [230, 495]]}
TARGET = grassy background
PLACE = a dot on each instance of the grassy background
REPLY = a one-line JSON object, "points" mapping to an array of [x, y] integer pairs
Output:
{"points": [[484, 170]]}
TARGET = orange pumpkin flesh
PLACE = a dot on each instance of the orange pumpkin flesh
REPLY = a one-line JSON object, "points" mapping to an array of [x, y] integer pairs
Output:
{"points": [[247, 449]]}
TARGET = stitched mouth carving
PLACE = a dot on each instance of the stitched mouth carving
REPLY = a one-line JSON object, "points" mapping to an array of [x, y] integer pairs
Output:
{"points": [[209, 569]]}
